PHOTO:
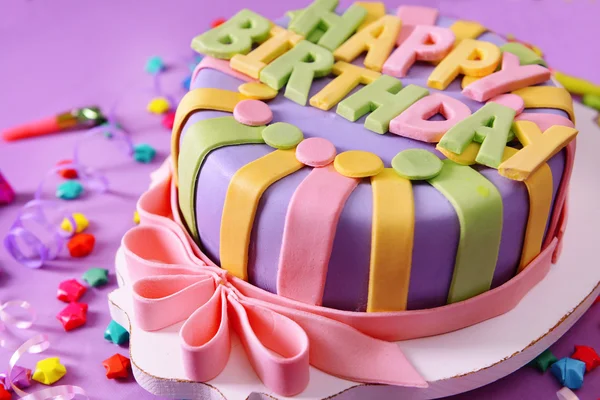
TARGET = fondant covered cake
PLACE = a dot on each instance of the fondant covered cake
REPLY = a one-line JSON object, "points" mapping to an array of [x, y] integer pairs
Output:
{"points": [[343, 180], [361, 237]]}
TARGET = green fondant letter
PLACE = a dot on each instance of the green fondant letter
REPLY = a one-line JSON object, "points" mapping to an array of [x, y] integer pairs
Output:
{"points": [[384, 98], [234, 36], [297, 68], [320, 15], [490, 126], [525, 54]]}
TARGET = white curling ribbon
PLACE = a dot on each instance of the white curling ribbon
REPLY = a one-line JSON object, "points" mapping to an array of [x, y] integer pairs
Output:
{"points": [[7, 319], [38, 344]]}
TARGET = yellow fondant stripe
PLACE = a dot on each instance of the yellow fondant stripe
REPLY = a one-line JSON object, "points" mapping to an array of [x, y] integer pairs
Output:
{"points": [[241, 201], [391, 242], [196, 100], [547, 97], [539, 187]]}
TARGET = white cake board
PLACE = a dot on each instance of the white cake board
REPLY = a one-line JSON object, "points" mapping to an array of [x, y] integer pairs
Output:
{"points": [[452, 363]]}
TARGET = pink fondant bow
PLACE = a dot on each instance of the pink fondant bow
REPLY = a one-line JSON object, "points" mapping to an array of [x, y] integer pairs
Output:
{"points": [[173, 284]]}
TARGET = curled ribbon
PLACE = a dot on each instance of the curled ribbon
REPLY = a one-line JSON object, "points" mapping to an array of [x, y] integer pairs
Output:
{"points": [[34, 238], [6, 318], [172, 284], [36, 344]]}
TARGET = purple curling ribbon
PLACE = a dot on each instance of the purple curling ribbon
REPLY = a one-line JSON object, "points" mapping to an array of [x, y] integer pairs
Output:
{"points": [[35, 236]]}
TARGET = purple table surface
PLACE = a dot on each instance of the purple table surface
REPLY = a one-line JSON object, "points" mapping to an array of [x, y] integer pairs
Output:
{"points": [[63, 53]]}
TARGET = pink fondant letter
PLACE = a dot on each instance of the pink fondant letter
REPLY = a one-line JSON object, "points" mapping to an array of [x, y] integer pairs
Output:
{"points": [[511, 77], [425, 43], [414, 122]]}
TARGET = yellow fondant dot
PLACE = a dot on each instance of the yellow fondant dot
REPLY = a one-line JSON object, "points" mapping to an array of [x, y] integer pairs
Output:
{"points": [[257, 90], [358, 164]]}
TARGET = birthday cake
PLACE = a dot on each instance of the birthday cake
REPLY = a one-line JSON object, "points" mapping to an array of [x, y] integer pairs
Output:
{"points": [[341, 181]]}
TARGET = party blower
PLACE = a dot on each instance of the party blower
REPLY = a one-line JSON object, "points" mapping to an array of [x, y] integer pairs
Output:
{"points": [[77, 118]]}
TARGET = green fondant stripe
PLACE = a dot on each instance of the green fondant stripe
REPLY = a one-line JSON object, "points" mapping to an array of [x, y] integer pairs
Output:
{"points": [[199, 140], [478, 205]]}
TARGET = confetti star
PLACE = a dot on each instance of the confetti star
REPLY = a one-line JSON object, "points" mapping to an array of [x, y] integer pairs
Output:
{"points": [[81, 223], [587, 355], [81, 244], [69, 190], [96, 277], [67, 173], [544, 361], [70, 291], [49, 370], [136, 217], [154, 65], [21, 377], [569, 372], [116, 333], [158, 105], [144, 153], [4, 394], [73, 316], [117, 366]]}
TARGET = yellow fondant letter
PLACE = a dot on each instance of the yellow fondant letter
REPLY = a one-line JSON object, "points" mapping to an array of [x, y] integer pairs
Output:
{"points": [[470, 57]]}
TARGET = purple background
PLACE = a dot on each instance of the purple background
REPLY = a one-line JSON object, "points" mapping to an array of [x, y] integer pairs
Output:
{"points": [[60, 54]]}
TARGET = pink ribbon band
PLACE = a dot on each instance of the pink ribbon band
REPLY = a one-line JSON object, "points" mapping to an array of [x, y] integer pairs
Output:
{"points": [[173, 274]]}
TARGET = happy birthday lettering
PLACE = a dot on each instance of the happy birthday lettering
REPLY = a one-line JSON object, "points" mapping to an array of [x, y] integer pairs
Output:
{"points": [[320, 42]]}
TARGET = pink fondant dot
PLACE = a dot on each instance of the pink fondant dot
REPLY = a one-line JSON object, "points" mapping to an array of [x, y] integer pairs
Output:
{"points": [[510, 100], [315, 152], [252, 112]]}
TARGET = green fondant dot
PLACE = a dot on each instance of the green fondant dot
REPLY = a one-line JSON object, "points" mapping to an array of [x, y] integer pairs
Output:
{"points": [[282, 135], [416, 164]]}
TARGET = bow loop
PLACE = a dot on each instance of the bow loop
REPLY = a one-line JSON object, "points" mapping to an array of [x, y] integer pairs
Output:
{"points": [[277, 347], [161, 301], [205, 339], [152, 250], [343, 351]]}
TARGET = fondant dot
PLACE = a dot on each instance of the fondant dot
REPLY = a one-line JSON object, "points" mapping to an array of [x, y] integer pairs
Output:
{"points": [[510, 100], [358, 164], [416, 164], [252, 113], [257, 90], [315, 152], [282, 135]]}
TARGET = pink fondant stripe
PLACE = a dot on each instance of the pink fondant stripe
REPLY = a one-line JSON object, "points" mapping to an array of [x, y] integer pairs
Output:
{"points": [[310, 226], [219, 65]]}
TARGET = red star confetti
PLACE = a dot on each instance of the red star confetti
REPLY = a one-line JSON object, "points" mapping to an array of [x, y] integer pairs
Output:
{"points": [[4, 394], [73, 316], [217, 22], [70, 291], [67, 173], [169, 119], [117, 366], [588, 355], [81, 244]]}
